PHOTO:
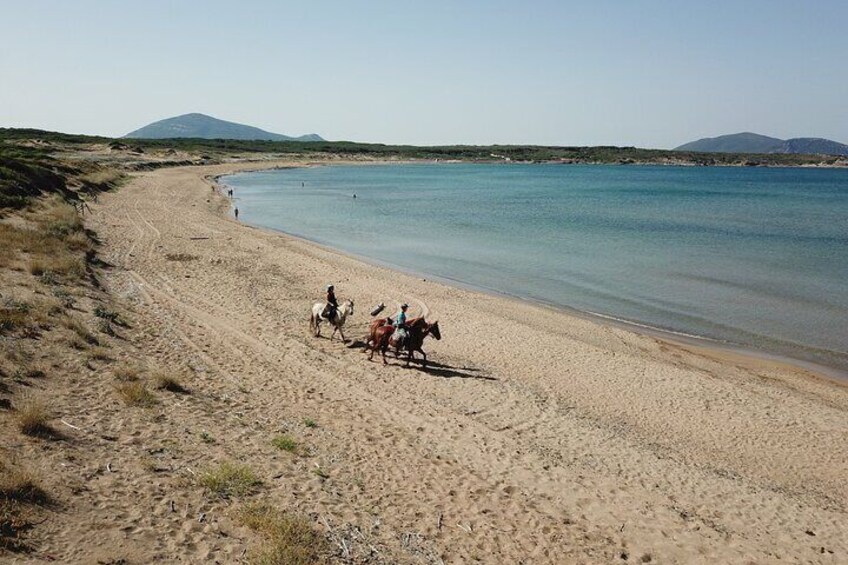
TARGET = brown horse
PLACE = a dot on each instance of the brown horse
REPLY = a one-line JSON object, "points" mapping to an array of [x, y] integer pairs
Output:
{"points": [[380, 323], [417, 330]]}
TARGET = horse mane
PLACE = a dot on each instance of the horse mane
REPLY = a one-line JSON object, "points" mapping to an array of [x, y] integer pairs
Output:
{"points": [[416, 322]]}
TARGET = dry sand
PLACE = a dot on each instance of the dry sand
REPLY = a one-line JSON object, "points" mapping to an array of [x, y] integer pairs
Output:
{"points": [[534, 437]]}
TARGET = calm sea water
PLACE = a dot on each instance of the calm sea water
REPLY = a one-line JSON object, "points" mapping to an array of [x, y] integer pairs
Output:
{"points": [[750, 257]]}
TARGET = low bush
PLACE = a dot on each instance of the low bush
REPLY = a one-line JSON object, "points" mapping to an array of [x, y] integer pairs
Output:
{"points": [[285, 443], [229, 479], [165, 381], [136, 394], [33, 416], [288, 540]]}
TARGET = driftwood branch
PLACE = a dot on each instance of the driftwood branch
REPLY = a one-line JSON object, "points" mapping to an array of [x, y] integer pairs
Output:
{"points": [[70, 425]]}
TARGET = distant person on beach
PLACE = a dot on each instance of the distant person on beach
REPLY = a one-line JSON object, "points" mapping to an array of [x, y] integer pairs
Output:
{"points": [[236, 213], [332, 303]]}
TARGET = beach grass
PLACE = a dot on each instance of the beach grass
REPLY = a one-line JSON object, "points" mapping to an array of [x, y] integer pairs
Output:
{"points": [[285, 443], [32, 416], [229, 479], [287, 539], [135, 393]]}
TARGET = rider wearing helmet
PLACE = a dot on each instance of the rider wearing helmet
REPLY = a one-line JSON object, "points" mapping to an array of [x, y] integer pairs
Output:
{"points": [[332, 303]]}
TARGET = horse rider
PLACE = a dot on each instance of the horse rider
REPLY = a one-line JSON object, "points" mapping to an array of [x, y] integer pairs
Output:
{"points": [[332, 303], [400, 325]]}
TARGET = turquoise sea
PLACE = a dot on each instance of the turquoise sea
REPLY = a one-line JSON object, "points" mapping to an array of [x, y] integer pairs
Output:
{"points": [[749, 257]]}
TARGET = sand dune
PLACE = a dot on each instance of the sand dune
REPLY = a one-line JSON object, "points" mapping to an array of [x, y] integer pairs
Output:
{"points": [[534, 437]]}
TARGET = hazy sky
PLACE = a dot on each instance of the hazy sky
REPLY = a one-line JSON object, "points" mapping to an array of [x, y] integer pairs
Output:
{"points": [[645, 73]]}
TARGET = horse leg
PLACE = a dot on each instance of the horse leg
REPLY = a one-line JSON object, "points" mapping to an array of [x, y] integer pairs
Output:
{"points": [[344, 339], [424, 358], [335, 329]]}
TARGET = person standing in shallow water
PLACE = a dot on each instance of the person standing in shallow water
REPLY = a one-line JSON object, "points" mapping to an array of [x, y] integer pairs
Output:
{"points": [[236, 213]]}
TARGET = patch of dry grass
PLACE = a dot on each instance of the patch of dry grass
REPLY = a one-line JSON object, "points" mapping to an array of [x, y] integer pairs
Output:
{"points": [[25, 317], [82, 332], [100, 354], [229, 479], [18, 488], [35, 371], [63, 265], [27, 240], [12, 319], [19, 484], [169, 382], [104, 327], [136, 394], [32, 416], [52, 243], [126, 373], [288, 540], [105, 177], [59, 218]]}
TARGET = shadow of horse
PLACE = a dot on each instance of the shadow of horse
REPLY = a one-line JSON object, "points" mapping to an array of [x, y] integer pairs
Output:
{"points": [[450, 372], [433, 367]]}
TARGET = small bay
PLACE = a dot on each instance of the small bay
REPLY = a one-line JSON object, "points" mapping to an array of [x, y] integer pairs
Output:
{"points": [[750, 257]]}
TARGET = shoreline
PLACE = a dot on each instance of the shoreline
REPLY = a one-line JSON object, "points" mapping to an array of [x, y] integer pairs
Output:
{"points": [[719, 349]]}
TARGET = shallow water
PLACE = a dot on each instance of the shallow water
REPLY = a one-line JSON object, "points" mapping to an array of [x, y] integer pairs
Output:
{"points": [[748, 256]]}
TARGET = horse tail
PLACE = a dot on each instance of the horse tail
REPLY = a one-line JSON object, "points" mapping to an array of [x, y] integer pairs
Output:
{"points": [[312, 322]]}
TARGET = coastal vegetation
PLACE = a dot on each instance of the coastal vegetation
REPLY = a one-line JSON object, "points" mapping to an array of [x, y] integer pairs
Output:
{"points": [[211, 150]]}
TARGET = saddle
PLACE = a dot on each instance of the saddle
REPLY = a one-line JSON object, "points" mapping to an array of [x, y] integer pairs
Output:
{"points": [[327, 312]]}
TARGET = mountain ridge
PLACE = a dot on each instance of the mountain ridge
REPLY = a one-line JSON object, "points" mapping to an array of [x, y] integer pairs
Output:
{"points": [[201, 126], [749, 142]]}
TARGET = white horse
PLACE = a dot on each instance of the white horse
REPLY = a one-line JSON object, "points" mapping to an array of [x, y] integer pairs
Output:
{"points": [[344, 310]]}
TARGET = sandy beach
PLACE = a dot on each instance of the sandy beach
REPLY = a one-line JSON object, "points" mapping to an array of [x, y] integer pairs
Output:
{"points": [[533, 437]]}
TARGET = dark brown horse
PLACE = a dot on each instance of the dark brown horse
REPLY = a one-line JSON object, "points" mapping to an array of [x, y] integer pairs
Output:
{"points": [[382, 336], [382, 322]]}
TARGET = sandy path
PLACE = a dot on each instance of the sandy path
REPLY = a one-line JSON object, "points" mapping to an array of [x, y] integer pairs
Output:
{"points": [[536, 437]]}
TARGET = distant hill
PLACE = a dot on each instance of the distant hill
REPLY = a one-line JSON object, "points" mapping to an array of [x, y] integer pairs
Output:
{"points": [[201, 126], [813, 145], [748, 142]]}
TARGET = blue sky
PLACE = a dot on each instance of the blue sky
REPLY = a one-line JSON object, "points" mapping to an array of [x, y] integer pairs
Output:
{"points": [[647, 73]]}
